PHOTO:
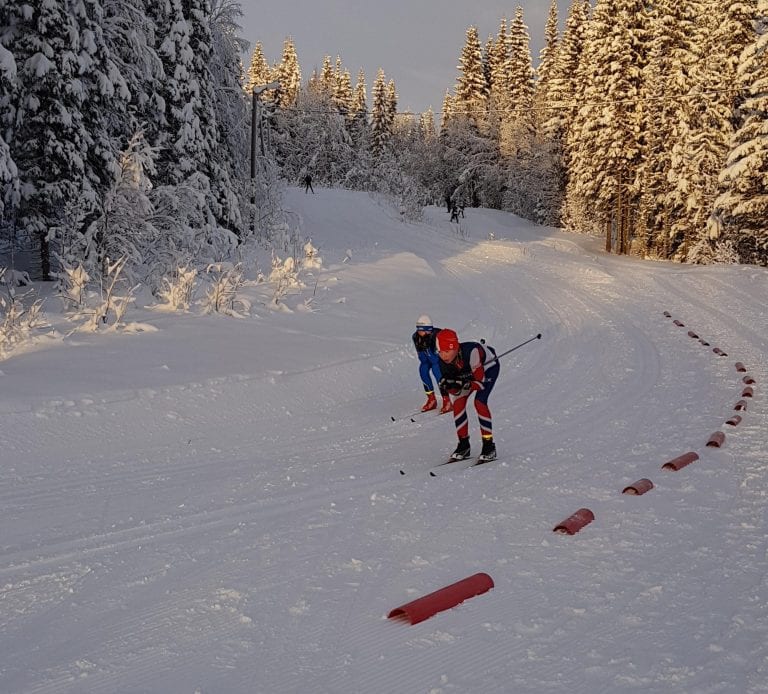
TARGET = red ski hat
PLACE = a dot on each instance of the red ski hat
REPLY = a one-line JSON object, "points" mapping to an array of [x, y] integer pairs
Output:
{"points": [[446, 340]]}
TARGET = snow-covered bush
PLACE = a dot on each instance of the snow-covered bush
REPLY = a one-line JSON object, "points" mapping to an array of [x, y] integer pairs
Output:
{"points": [[178, 288], [311, 259], [222, 295], [17, 320], [110, 307], [71, 286], [14, 278]]}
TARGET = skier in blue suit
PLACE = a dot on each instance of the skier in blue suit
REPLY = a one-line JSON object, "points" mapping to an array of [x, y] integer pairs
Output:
{"points": [[424, 342]]}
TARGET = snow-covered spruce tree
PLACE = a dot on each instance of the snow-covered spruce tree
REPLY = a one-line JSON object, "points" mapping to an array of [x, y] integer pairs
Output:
{"points": [[561, 103], [230, 106], [496, 63], [545, 72], [215, 156], [9, 175], [381, 126], [743, 208], [343, 97], [517, 121], [259, 72], [131, 35], [467, 139], [703, 152], [288, 73], [358, 117], [125, 226], [530, 185], [604, 143], [669, 108], [55, 133], [190, 149], [471, 92]]}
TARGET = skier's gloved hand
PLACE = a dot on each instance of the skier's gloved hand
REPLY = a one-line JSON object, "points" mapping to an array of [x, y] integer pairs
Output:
{"points": [[466, 388], [451, 385]]}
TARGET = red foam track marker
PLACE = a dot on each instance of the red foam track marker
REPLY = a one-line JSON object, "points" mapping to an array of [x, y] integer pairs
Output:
{"points": [[734, 421], [681, 461], [748, 380], [716, 440], [740, 367], [637, 488], [719, 352], [678, 323], [747, 392], [444, 599], [741, 405], [667, 314], [575, 522], [693, 335]]}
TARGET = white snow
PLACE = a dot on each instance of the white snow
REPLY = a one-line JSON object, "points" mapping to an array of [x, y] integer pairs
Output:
{"points": [[216, 506]]}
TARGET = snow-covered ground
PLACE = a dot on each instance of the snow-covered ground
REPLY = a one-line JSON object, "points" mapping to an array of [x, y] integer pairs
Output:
{"points": [[216, 506]]}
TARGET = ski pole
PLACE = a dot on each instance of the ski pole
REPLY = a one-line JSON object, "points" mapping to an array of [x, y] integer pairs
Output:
{"points": [[488, 363], [410, 416], [504, 354]]}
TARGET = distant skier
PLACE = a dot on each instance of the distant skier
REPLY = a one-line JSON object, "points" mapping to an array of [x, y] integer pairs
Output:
{"points": [[465, 371], [454, 212], [424, 341], [307, 180]]}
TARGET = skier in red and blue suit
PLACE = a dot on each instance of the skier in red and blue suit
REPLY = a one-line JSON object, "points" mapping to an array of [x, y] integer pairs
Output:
{"points": [[424, 342], [468, 367]]}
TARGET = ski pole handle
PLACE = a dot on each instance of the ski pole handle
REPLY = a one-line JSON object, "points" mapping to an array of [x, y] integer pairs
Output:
{"points": [[503, 354]]}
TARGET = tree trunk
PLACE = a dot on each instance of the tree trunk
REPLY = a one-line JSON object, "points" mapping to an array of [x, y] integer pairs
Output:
{"points": [[45, 256]]}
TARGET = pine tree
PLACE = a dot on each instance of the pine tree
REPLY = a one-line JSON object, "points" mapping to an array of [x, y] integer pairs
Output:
{"points": [[471, 93], [258, 71], [9, 174], [427, 125], [497, 78], [359, 112], [391, 108], [546, 69], [380, 116], [45, 128], [289, 75], [743, 208], [668, 121], [562, 102], [327, 79], [605, 139], [343, 97], [517, 121], [447, 111]]}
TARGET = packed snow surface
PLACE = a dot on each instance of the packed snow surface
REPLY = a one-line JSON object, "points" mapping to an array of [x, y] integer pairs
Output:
{"points": [[214, 505]]}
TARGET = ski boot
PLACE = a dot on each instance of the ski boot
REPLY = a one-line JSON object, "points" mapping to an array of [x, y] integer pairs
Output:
{"points": [[489, 451], [430, 404], [447, 406], [462, 450]]}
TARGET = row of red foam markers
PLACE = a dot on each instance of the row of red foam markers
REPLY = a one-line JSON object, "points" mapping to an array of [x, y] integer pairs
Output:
{"points": [[424, 607], [584, 516]]}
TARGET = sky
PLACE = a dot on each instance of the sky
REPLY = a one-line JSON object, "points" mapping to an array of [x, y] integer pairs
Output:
{"points": [[416, 42], [198, 504]]}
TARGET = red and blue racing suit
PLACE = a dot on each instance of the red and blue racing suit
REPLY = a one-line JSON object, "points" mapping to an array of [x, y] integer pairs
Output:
{"points": [[469, 367]]}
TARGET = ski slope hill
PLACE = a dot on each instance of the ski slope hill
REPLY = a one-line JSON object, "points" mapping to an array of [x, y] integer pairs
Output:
{"points": [[215, 505]]}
